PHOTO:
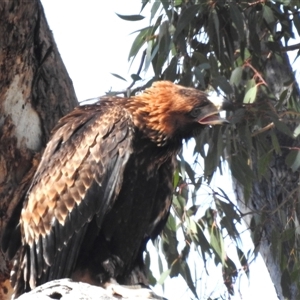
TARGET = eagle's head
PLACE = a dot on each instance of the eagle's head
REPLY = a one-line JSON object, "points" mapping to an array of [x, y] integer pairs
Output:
{"points": [[166, 112]]}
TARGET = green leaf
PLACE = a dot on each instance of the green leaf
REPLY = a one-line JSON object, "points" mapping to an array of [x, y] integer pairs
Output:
{"points": [[296, 131], [131, 17], [280, 125], [223, 84], [243, 260], [176, 178], [190, 171], [178, 203], [118, 76], [268, 15], [216, 22], [229, 225], [214, 65], [199, 76], [250, 95], [177, 2], [151, 52], [200, 58], [253, 36], [201, 240], [155, 7], [282, 98], [243, 173], [164, 41], [264, 163], [204, 66], [185, 18], [192, 210], [186, 274], [217, 243], [243, 166], [237, 18], [171, 223], [169, 241], [170, 72], [245, 135], [166, 5], [228, 209], [275, 143], [255, 226], [139, 41], [230, 215], [292, 160], [160, 264], [136, 77], [163, 276], [144, 3], [236, 76]]}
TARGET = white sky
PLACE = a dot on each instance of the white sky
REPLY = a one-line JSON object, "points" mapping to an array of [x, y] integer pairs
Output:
{"points": [[93, 43]]}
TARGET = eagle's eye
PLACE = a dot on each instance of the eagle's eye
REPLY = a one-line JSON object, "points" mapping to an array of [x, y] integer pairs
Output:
{"points": [[195, 112]]}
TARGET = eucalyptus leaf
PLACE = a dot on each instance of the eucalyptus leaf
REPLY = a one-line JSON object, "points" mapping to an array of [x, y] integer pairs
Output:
{"points": [[296, 131], [293, 160], [223, 84], [250, 95], [186, 18], [164, 276], [136, 77], [139, 41], [268, 15], [237, 18], [236, 76], [154, 9], [217, 244], [131, 17], [186, 274], [118, 76]]}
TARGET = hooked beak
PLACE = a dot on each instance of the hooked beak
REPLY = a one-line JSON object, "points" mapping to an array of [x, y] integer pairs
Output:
{"points": [[210, 114]]}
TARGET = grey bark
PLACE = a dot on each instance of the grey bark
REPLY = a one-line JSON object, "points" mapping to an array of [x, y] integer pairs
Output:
{"points": [[35, 92]]}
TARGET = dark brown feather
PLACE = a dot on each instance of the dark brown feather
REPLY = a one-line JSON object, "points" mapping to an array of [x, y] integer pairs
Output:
{"points": [[104, 187]]}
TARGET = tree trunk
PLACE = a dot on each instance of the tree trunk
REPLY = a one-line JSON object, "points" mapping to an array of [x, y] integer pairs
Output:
{"points": [[35, 92], [274, 200]]}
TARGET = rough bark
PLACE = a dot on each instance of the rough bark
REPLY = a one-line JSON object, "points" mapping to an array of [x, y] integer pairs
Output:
{"points": [[35, 91], [274, 199]]}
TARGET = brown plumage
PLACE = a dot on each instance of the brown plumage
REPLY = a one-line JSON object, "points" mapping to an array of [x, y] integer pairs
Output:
{"points": [[103, 187]]}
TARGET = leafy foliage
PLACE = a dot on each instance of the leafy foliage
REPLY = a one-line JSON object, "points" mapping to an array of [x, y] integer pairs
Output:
{"points": [[237, 48]]}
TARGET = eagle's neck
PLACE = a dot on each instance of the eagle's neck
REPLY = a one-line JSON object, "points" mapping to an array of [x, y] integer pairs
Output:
{"points": [[153, 119]]}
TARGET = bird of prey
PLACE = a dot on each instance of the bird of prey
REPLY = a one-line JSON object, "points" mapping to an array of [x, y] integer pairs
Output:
{"points": [[104, 187]]}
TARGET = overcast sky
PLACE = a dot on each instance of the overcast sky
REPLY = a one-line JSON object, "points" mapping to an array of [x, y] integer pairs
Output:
{"points": [[93, 43]]}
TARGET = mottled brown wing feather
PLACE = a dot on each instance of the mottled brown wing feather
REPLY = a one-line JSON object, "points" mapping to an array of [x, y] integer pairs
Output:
{"points": [[79, 176]]}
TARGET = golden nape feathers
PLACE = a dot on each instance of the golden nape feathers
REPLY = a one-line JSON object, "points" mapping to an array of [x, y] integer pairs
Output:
{"points": [[166, 111]]}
